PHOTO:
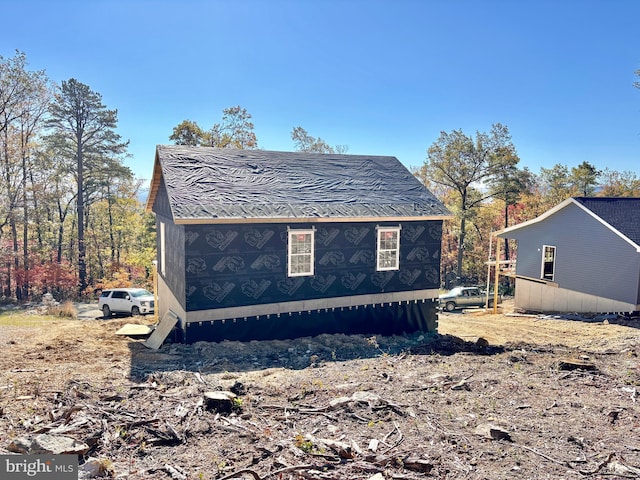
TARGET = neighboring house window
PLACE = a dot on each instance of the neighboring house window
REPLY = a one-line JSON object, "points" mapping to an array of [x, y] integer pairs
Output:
{"points": [[548, 262], [388, 248], [301, 252], [162, 249]]}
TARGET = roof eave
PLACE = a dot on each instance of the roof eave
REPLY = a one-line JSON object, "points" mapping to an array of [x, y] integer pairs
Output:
{"points": [[502, 233], [505, 231], [156, 179], [230, 220], [609, 226]]}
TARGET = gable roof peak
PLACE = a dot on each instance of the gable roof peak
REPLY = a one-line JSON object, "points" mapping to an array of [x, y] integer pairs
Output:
{"points": [[620, 214]]}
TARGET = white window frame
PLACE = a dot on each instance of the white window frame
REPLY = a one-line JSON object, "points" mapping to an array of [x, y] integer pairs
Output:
{"points": [[544, 260], [293, 256], [383, 251], [162, 249]]}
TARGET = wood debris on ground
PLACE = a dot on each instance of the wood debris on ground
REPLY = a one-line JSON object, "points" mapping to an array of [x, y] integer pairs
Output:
{"points": [[323, 408]]}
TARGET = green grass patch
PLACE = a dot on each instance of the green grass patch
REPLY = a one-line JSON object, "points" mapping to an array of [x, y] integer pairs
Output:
{"points": [[21, 319], [32, 318]]}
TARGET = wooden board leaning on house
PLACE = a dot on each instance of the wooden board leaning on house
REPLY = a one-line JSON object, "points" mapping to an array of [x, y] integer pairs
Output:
{"points": [[162, 330]]}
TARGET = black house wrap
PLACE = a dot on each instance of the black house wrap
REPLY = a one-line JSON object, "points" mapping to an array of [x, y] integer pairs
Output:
{"points": [[223, 218]]}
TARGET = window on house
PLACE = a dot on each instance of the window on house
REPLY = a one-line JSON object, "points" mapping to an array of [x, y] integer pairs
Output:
{"points": [[300, 253], [162, 249], [388, 248], [548, 262]]}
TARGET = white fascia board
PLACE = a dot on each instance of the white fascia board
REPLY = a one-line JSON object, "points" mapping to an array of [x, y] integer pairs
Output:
{"points": [[503, 233], [610, 227]]}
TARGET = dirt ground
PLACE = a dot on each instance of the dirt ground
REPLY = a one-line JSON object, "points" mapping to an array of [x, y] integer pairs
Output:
{"points": [[489, 397]]}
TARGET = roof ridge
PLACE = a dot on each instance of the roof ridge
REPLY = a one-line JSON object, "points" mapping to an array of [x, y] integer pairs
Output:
{"points": [[209, 184]]}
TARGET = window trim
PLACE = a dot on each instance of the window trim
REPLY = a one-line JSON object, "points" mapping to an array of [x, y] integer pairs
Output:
{"points": [[298, 231], [162, 249], [544, 261], [380, 250]]}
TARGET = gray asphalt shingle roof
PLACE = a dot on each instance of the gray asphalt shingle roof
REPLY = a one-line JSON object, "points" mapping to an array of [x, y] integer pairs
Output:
{"points": [[209, 183], [621, 213]]}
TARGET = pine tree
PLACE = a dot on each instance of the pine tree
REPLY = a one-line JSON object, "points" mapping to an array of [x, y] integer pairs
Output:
{"points": [[83, 133]]}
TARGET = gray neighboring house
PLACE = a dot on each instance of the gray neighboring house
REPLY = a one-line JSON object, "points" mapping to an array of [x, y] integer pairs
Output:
{"points": [[257, 244], [581, 256]]}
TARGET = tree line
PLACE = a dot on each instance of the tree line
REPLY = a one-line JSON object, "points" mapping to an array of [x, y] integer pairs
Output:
{"points": [[70, 216], [479, 179], [481, 182], [72, 220]]}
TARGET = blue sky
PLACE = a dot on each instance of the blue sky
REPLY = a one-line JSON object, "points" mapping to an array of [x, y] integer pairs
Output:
{"points": [[382, 77]]}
